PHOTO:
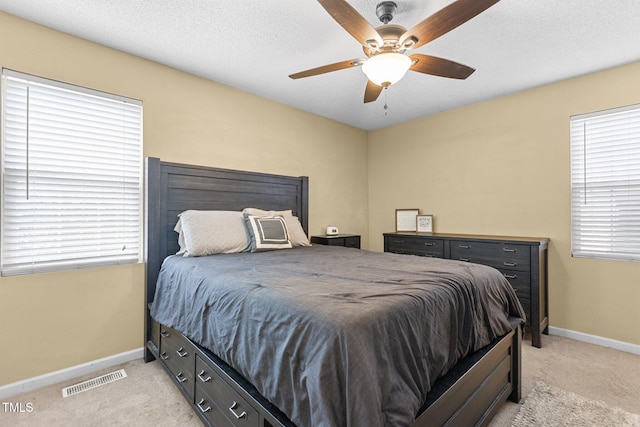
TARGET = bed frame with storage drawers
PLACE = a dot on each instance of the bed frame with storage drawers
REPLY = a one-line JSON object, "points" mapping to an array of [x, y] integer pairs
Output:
{"points": [[470, 394]]}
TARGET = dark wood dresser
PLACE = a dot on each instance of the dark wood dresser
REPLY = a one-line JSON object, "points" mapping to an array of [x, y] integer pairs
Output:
{"points": [[522, 260]]}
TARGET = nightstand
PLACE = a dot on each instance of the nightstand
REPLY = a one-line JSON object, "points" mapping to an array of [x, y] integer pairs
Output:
{"points": [[346, 240]]}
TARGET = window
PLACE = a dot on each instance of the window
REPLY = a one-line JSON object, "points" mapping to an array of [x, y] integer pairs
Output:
{"points": [[605, 184], [71, 176]]}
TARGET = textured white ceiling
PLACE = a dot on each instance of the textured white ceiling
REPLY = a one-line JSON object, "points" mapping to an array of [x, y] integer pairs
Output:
{"points": [[254, 45]]}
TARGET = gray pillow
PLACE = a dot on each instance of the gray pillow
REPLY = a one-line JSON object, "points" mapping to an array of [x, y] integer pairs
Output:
{"points": [[297, 236], [267, 232]]}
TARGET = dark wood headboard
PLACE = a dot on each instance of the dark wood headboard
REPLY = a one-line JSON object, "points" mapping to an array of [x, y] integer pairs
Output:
{"points": [[172, 188]]}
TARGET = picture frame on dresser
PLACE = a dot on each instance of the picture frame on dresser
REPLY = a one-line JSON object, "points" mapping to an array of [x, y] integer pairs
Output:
{"points": [[424, 223], [406, 219]]}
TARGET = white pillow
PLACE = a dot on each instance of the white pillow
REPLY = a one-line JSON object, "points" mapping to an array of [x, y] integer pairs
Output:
{"points": [[211, 232], [178, 229], [297, 236], [267, 232]]}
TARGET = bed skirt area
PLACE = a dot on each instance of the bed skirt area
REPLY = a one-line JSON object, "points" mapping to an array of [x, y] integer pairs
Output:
{"points": [[470, 394]]}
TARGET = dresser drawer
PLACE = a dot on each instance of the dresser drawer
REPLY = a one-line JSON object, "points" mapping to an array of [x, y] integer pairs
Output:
{"points": [[209, 410], [178, 354], [498, 255], [346, 240], [176, 349], [334, 242], [520, 281], [237, 410], [181, 366], [423, 246], [352, 242]]}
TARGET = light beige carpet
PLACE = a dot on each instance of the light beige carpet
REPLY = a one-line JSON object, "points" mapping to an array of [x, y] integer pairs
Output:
{"points": [[548, 406], [145, 398]]}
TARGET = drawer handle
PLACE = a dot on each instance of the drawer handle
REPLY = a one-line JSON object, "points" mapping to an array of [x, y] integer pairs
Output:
{"points": [[233, 406], [465, 246], [465, 259], [207, 409], [164, 355], [511, 276], [165, 334], [510, 264], [429, 244], [182, 352], [181, 378], [509, 250], [202, 378]]}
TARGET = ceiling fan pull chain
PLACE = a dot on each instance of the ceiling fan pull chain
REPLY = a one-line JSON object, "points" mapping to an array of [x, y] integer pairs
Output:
{"points": [[386, 107]]}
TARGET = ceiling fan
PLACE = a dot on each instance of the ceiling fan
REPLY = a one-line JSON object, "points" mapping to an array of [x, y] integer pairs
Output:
{"points": [[385, 46]]}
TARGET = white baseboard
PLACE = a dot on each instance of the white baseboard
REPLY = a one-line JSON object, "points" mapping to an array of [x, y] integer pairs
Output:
{"points": [[594, 339], [29, 384]]}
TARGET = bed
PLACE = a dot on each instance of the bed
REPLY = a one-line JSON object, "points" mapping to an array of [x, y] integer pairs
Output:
{"points": [[212, 370]]}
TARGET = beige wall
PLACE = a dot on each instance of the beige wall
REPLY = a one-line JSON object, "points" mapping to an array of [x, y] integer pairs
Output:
{"points": [[498, 167], [53, 321], [502, 167]]}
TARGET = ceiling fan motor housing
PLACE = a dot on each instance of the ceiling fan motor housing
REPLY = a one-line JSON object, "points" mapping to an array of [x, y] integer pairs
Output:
{"points": [[385, 11], [390, 34]]}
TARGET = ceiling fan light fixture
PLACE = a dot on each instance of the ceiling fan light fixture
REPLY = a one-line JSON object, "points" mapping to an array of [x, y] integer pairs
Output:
{"points": [[386, 68]]}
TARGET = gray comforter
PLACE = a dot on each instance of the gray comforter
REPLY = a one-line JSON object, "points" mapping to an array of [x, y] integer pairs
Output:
{"points": [[335, 336]]}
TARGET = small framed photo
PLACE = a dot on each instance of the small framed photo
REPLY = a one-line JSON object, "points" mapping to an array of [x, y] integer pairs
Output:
{"points": [[424, 223], [406, 219]]}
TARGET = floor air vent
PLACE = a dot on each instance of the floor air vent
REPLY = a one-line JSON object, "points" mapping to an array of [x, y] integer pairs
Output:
{"points": [[93, 383]]}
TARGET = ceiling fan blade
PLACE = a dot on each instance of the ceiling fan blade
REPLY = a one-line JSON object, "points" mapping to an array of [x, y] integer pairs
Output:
{"points": [[433, 65], [328, 68], [353, 22], [372, 91], [445, 20]]}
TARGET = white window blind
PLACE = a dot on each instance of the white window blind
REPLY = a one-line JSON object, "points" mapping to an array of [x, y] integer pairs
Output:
{"points": [[605, 184], [71, 176]]}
